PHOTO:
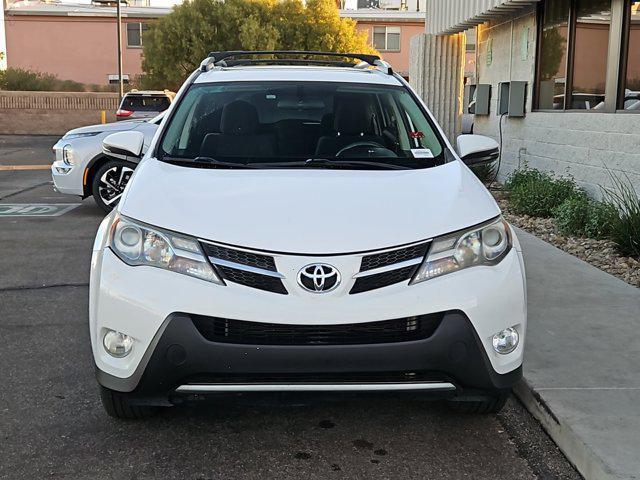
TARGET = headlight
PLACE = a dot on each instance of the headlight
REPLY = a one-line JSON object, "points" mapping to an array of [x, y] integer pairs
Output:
{"points": [[139, 244], [68, 156], [71, 136], [486, 245]]}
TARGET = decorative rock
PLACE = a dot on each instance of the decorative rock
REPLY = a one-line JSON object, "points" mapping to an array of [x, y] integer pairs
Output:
{"points": [[599, 253]]}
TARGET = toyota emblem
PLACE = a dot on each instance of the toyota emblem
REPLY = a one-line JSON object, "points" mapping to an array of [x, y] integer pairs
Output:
{"points": [[319, 278]]}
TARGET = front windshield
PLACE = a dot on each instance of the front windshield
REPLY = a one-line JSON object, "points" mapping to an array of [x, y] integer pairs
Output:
{"points": [[262, 123]]}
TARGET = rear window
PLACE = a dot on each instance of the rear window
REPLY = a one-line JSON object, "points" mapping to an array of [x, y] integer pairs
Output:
{"points": [[145, 103], [281, 121]]}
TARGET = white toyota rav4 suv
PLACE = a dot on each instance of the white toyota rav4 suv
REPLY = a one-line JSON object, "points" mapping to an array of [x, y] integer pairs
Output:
{"points": [[304, 228]]}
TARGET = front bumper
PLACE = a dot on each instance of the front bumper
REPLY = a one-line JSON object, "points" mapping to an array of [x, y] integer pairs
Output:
{"points": [[181, 360], [67, 179], [142, 302]]}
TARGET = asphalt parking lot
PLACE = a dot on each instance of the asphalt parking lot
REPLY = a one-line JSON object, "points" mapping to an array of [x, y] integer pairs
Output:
{"points": [[52, 424]]}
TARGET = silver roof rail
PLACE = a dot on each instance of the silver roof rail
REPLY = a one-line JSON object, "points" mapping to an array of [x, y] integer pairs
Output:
{"points": [[384, 67], [207, 64], [366, 61]]}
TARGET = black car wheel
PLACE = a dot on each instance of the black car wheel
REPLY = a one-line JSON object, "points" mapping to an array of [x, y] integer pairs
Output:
{"points": [[109, 182]]}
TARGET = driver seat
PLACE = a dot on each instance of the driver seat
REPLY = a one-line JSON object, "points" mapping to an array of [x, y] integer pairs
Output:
{"points": [[353, 122]]}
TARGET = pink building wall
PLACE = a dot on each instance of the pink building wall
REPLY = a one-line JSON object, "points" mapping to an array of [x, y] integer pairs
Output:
{"points": [[72, 48], [83, 48], [399, 60]]}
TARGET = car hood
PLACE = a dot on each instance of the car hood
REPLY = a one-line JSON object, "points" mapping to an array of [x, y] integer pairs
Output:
{"points": [[312, 211], [107, 127]]}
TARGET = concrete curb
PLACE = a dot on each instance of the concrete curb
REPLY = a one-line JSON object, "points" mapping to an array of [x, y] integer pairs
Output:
{"points": [[588, 464]]}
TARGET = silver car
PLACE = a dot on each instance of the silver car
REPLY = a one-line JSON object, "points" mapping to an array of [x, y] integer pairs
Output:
{"points": [[81, 168]]}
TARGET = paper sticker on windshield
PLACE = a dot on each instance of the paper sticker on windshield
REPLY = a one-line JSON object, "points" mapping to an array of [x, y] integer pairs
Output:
{"points": [[421, 153]]}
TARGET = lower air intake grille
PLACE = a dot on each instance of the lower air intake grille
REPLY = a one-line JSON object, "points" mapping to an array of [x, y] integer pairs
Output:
{"points": [[372, 282], [223, 330], [253, 280], [332, 378]]}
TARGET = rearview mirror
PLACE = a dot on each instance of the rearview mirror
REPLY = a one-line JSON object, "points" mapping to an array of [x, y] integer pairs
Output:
{"points": [[124, 145], [477, 149]]}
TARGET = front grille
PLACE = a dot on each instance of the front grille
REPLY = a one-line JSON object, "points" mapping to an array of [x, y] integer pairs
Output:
{"points": [[224, 330], [239, 256], [384, 259], [379, 280], [254, 280]]}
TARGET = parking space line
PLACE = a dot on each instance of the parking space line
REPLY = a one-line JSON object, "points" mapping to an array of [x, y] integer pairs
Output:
{"points": [[35, 209], [24, 167]]}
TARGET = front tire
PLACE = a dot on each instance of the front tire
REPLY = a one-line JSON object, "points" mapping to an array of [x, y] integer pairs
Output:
{"points": [[489, 404], [109, 182], [118, 405]]}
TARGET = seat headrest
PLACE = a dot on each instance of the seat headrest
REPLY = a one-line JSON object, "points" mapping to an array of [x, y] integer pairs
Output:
{"points": [[326, 123], [352, 115], [239, 118]]}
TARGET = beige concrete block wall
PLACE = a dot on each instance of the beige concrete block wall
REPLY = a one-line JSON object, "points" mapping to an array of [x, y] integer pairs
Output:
{"points": [[53, 113]]}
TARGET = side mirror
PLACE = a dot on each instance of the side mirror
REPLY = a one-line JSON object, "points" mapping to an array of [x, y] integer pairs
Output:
{"points": [[477, 149], [124, 145]]}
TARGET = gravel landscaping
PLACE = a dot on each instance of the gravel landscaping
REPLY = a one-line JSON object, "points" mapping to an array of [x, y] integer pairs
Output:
{"points": [[599, 253]]}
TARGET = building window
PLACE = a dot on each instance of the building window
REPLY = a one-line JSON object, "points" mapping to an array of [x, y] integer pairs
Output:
{"points": [[386, 39], [135, 33], [591, 49], [631, 75], [572, 55], [552, 62]]}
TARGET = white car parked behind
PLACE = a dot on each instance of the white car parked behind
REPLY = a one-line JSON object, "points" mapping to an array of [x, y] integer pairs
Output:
{"points": [[81, 168]]}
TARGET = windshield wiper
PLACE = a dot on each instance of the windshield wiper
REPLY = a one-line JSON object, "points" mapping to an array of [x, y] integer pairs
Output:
{"points": [[327, 163], [207, 162]]}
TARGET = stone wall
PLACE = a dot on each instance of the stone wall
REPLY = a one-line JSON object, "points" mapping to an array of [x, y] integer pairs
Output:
{"points": [[53, 113]]}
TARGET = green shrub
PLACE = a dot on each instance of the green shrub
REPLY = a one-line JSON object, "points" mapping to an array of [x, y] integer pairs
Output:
{"points": [[571, 216], [536, 193], [579, 215], [27, 80], [600, 220], [625, 230]]}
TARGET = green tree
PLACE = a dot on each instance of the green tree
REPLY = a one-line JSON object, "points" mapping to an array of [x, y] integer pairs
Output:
{"points": [[176, 44]]}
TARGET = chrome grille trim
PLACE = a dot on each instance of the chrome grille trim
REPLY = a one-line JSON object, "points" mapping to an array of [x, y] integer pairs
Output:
{"points": [[245, 268], [388, 268]]}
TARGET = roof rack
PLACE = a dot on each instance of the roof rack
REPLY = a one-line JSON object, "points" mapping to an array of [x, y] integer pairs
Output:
{"points": [[220, 59]]}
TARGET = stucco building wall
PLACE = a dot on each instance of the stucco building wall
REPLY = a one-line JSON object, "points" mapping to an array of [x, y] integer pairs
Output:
{"points": [[72, 48], [400, 59]]}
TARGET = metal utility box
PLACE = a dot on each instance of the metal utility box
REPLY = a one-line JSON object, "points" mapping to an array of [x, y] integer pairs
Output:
{"points": [[483, 99], [512, 98], [503, 98], [477, 99], [517, 99], [469, 94]]}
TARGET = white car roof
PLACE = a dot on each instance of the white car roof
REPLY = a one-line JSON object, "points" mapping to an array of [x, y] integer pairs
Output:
{"points": [[297, 74]]}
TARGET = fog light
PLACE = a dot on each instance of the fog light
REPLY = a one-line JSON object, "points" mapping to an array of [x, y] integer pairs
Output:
{"points": [[117, 344], [506, 341]]}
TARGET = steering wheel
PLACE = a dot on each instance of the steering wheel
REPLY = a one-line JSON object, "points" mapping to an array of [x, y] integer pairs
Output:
{"points": [[366, 148]]}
